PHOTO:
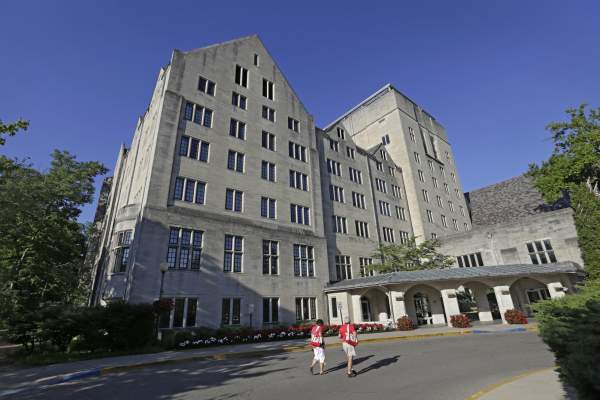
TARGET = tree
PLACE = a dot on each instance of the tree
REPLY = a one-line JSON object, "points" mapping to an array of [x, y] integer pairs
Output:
{"points": [[411, 256], [41, 243], [12, 129], [574, 168]]}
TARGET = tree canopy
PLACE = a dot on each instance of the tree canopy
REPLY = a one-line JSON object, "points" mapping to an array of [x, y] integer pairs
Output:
{"points": [[11, 129], [411, 256]]}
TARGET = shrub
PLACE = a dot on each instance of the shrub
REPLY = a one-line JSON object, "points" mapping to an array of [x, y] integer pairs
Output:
{"points": [[129, 326], [517, 317], [460, 321], [405, 324], [570, 326]]}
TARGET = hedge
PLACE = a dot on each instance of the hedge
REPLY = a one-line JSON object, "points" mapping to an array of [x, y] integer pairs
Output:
{"points": [[570, 326]]}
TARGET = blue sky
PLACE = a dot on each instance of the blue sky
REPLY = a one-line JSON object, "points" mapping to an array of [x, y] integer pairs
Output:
{"points": [[493, 73]]}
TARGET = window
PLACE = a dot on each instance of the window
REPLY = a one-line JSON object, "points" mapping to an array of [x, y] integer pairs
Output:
{"points": [[270, 310], [299, 214], [470, 260], [334, 311], [433, 146], [434, 181], [241, 76], [392, 171], [388, 235], [234, 253], [400, 213], [341, 133], [306, 308], [462, 210], [421, 176], [383, 154], [193, 148], [256, 60], [444, 222], [268, 113], [267, 171], [198, 114], [206, 86], [447, 155], [541, 252], [453, 177], [268, 140], [343, 267], [362, 229], [430, 164], [466, 226], [450, 206], [235, 161], [379, 166], [425, 195], [234, 200], [334, 145], [355, 175], [365, 266], [429, 216], [334, 167], [358, 200], [434, 236], [442, 172], [336, 193], [237, 129], [417, 158], [455, 224], [457, 193], [339, 224], [411, 133], [182, 315], [230, 311], [404, 237], [396, 191], [439, 201], [185, 248], [384, 208], [385, 140], [270, 251], [297, 151], [293, 124], [122, 251], [189, 190], [304, 260], [298, 180], [268, 207], [268, 89], [350, 153], [381, 185], [446, 188], [239, 100]]}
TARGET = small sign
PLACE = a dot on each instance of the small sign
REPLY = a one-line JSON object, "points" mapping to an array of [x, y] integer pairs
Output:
{"points": [[250, 308]]}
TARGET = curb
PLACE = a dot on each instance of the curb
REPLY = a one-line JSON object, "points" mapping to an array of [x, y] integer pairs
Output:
{"points": [[488, 389], [56, 380]]}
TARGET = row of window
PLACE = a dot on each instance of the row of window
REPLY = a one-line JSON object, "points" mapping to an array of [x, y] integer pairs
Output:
{"points": [[540, 252], [343, 267], [455, 226]]}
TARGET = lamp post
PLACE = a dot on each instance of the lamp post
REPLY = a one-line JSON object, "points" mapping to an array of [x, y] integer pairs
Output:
{"points": [[164, 267]]}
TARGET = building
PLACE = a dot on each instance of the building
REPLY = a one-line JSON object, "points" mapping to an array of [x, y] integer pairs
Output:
{"points": [[250, 209]]}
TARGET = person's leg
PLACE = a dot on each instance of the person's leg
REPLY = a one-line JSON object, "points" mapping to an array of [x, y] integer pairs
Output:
{"points": [[349, 364]]}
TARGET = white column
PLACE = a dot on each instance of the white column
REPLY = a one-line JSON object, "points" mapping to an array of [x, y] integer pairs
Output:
{"points": [[483, 305], [556, 290], [356, 315], [504, 300], [398, 307], [450, 303]]}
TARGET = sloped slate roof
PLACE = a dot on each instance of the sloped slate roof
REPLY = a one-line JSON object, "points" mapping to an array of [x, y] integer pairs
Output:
{"points": [[493, 271]]}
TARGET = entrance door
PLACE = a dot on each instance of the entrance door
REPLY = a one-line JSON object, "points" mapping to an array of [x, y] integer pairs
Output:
{"points": [[365, 307], [422, 309], [493, 302]]}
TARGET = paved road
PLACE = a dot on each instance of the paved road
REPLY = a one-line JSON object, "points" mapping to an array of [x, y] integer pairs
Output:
{"points": [[439, 368]]}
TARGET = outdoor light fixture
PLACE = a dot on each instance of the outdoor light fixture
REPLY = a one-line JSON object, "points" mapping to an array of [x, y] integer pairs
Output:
{"points": [[399, 298]]}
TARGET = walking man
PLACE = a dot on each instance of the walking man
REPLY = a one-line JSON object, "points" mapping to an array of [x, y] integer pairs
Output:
{"points": [[349, 341], [318, 345]]}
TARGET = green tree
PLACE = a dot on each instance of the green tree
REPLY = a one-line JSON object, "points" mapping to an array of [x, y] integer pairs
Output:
{"points": [[41, 243], [574, 168], [11, 129], [411, 256]]}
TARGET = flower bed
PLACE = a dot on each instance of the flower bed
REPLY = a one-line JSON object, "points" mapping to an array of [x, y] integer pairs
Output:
{"points": [[405, 324], [515, 317], [460, 321], [203, 337]]}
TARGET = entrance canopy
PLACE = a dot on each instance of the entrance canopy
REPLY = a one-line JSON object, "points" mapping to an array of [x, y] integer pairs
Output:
{"points": [[433, 296]]}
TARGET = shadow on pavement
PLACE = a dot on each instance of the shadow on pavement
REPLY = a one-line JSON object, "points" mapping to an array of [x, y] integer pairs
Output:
{"points": [[343, 365], [379, 364]]}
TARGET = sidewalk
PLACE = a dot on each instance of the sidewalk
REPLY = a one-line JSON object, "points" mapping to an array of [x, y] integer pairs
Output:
{"points": [[57, 373], [535, 385]]}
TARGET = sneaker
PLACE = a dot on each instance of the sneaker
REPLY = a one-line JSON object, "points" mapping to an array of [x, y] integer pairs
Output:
{"points": [[311, 370]]}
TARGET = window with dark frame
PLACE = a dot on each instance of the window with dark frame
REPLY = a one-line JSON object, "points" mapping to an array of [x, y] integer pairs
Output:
{"points": [[234, 253], [184, 248], [270, 251], [122, 250], [304, 261], [206, 86], [241, 76], [230, 311], [541, 251], [198, 114]]}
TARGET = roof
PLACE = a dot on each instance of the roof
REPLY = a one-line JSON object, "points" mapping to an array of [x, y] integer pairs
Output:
{"points": [[493, 271], [508, 201]]}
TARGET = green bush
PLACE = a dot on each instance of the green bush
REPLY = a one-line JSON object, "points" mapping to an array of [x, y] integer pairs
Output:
{"points": [[570, 326], [129, 326]]}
